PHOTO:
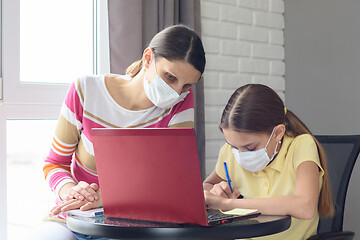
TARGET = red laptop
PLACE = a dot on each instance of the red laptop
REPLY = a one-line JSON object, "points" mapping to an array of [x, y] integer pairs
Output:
{"points": [[151, 174]]}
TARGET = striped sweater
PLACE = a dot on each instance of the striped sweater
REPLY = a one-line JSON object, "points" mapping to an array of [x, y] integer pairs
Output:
{"points": [[88, 104]]}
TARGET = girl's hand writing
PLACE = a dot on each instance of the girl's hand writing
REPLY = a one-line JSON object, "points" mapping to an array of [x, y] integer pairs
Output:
{"points": [[222, 189], [213, 201]]}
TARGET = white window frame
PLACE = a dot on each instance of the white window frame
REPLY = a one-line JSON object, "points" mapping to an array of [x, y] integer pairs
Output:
{"points": [[22, 100]]}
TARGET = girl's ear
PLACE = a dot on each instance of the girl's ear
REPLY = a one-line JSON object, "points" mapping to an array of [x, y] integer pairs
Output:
{"points": [[148, 57], [279, 132]]}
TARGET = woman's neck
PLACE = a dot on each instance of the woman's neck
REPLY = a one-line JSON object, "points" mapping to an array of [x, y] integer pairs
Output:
{"points": [[129, 94]]}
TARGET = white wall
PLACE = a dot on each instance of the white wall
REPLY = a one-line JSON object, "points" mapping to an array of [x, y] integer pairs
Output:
{"points": [[322, 75], [243, 41]]}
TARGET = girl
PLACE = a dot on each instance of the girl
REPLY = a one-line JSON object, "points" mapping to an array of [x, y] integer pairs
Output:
{"points": [[274, 162], [156, 92]]}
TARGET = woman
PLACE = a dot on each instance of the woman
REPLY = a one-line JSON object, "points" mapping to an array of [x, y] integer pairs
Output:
{"points": [[156, 92], [274, 162]]}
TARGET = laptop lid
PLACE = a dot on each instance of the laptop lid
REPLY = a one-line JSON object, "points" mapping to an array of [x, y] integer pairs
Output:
{"points": [[150, 174]]}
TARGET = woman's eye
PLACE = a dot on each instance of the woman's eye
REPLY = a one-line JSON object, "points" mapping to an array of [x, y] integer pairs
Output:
{"points": [[187, 86], [170, 77]]}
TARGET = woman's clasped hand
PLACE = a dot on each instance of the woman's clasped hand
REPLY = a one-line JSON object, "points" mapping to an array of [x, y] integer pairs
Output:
{"points": [[82, 196]]}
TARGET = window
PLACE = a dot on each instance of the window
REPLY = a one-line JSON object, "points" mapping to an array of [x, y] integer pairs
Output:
{"points": [[46, 45], [28, 195], [59, 40]]}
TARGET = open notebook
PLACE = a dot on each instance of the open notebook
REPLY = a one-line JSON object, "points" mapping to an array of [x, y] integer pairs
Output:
{"points": [[152, 174]]}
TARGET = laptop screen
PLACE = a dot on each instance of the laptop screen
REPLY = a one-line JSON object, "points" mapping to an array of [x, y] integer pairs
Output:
{"points": [[150, 174]]}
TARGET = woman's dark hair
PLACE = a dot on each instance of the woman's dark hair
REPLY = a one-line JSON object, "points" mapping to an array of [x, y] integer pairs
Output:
{"points": [[258, 108], [177, 42]]}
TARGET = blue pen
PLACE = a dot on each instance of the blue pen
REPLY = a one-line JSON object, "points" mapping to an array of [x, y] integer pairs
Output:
{"points": [[228, 177]]}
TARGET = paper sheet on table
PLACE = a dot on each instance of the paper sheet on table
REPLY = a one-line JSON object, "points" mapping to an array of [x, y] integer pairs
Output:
{"points": [[239, 211]]}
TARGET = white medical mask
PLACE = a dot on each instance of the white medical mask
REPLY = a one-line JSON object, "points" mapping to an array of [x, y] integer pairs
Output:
{"points": [[160, 93], [255, 161]]}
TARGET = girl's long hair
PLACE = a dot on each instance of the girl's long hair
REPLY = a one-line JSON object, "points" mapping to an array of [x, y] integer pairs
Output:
{"points": [[258, 108], [177, 42]]}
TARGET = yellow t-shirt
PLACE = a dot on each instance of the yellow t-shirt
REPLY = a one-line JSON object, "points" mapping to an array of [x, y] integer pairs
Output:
{"points": [[276, 179]]}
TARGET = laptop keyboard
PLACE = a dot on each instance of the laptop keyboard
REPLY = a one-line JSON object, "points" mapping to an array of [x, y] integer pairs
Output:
{"points": [[216, 215], [212, 217]]}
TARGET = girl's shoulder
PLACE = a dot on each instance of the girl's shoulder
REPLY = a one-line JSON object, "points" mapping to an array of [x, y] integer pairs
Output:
{"points": [[303, 139], [226, 149], [304, 148], [298, 144]]}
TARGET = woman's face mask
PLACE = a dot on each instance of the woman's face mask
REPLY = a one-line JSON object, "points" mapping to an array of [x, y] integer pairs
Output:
{"points": [[255, 161], [160, 93]]}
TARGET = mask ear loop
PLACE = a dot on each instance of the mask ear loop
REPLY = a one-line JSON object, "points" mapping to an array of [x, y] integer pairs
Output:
{"points": [[155, 66], [275, 152], [269, 138]]}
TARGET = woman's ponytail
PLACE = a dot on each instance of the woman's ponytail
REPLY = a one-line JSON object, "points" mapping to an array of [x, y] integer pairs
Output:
{"points": [[134, 68]]}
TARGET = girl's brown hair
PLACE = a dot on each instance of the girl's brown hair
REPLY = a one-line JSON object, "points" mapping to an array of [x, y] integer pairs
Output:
{"points": [[258, 108], [177, 42]]}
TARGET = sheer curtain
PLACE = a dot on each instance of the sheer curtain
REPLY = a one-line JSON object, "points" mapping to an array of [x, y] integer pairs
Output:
{"points": [[133, 23]]}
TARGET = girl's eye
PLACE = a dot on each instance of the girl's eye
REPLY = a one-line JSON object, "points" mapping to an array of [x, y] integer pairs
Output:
{"points": [[250, 149]]}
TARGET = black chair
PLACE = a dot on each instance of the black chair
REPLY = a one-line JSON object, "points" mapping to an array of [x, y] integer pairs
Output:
{"points": [[342, 152]]}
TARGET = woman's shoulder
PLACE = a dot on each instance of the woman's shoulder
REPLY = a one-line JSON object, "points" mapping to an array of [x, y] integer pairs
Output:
{"points": [[98, 81], [92, 79], [113, 76], [88, 80], [116, 79]]}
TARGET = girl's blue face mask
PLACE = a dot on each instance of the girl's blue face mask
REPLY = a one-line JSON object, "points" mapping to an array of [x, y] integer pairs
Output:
{"points": [[255, 161]]}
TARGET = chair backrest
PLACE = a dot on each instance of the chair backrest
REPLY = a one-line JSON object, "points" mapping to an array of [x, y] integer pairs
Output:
{"points": [[342, 152]]}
